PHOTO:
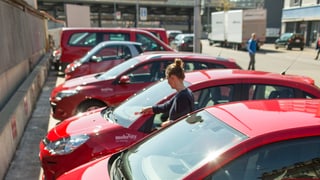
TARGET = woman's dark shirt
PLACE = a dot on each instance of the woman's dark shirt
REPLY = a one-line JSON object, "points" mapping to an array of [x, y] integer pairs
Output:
{"points": [[181, 104]]}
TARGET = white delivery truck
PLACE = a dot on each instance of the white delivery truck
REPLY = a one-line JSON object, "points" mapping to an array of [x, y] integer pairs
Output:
{"points": [[238, 27], [218, 28]]}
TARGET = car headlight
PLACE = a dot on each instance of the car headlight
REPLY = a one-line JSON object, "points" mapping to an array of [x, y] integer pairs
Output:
{"points": [[66, 145], [66, 93]]}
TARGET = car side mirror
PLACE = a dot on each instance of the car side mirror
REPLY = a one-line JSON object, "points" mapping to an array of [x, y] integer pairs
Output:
{"points": [[124, 80], [95, 59]]}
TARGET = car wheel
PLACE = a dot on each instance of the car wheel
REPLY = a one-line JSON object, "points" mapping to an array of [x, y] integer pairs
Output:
{"points": [[90, 105]]}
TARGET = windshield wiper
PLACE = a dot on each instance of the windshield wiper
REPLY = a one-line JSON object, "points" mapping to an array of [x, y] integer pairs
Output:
{"points": [[108, 115], [119, 165]]}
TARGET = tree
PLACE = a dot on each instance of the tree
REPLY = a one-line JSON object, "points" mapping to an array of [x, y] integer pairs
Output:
{"points": [[223, 5]]}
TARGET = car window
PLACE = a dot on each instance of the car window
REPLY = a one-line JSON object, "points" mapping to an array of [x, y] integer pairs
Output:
{"points": [[265, 91], [213, 95], [179, 37], [292, 159], [139, 49], [112, 53], [116, 37], [173, 34], [148, 44], [83, 39], [188, 39], [108, 51], [118, 70], [150, 72], [196, 65], [285, 36], [307, 95]]}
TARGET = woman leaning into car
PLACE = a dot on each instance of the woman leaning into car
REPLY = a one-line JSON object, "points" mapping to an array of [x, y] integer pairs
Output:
{"points": [[182, 103]]}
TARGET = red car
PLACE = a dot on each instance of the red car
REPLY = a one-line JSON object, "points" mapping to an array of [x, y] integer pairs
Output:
{"points": [[103, 57], [76, 42], [80, 139], [267, 139], [117, 84], [160, 33]]}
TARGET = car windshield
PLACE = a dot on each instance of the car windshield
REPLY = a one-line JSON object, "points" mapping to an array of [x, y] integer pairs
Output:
{"points": [[90, 53], [126, 113], [285, 36], [118, 69], [181, 148], [179, 37]]}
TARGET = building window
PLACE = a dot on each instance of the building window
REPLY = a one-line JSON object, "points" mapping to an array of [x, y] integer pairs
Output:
{"points": [[297, 2]]}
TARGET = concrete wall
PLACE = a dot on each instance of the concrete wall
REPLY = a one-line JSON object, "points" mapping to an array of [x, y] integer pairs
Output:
{"points": [[22, 42], [23, 70]]}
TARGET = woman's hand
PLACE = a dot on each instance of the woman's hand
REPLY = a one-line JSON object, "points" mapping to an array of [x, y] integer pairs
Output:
{"points": [[146, 110], [166, 123]]}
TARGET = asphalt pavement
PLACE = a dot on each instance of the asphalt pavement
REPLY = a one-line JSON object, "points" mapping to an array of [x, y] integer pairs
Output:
{"points": [[26, 165]]}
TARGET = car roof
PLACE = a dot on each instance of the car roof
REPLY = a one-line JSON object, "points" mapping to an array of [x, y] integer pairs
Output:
{"points": [[120, 43], [224, 74], [153, 29], [185, 34], [95, 29], [174, 31], [176, 54], [289, 118]]}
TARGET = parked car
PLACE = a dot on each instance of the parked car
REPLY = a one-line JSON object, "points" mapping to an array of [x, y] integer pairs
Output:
{"points": [[110, 88], [184, 42], [76, 42], [102, 57], [267, 139], [290, 40], [104, 131], [171, 34]]}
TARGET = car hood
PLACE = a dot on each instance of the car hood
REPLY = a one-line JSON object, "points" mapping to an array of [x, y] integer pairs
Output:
{"points": [[96, 169], [83, 80], [90, 122]]}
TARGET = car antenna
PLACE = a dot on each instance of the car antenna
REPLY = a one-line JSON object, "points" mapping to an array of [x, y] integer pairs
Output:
{"points": [[284, 72]]}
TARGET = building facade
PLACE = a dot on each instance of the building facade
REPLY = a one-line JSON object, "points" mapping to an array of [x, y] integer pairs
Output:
{"points": [[302, 16]]}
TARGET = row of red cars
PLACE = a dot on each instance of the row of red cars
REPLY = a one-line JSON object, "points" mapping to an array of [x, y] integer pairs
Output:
{"points": [[101, 135]]}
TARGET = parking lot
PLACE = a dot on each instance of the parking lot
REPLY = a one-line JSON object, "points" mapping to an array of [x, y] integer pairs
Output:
{"points": [[25, 164]]}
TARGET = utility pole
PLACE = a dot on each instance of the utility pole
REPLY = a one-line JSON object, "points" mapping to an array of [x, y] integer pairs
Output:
{"points": [[196, 26], [137, 14]]}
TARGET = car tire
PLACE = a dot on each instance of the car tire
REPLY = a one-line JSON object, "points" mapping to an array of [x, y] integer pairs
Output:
{"points": [[90, 105]]}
